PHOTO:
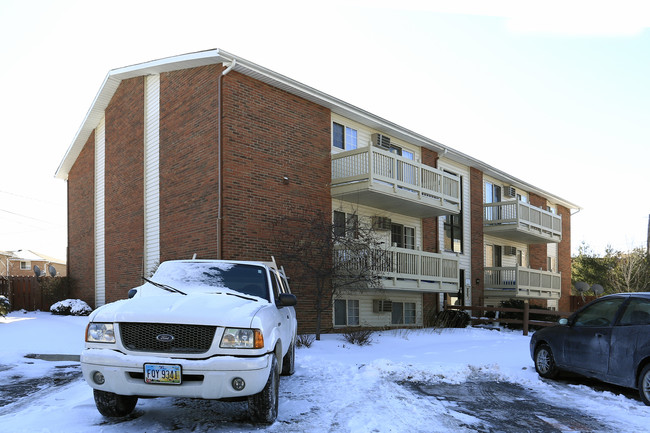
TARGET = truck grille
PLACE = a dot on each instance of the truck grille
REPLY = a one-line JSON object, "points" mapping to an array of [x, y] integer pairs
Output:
{"points": [[167, 338]]}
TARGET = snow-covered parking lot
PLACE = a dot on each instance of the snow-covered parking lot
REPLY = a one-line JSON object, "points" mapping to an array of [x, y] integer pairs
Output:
{"points": [[457, 380]]}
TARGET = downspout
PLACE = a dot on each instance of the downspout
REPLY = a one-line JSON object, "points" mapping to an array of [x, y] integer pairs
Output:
{"points": [[220, 163]]}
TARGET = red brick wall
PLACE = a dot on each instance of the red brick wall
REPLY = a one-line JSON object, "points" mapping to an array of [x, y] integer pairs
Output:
{"points": [[430, 240], [81, 223], [564, 259], [188, 163], [476, 215], [537, 252], [124, 213], [269, 134]]}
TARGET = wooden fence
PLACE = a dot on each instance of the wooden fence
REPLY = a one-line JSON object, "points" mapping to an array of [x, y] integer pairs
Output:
{"points": [[24, 293], [478, 315]]}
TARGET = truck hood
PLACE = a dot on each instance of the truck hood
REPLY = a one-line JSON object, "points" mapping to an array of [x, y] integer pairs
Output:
{"points": [[216, 309]]}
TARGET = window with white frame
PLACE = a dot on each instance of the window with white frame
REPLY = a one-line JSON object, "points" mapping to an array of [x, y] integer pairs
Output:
{"points": [[24, 266], [402, 236], [346, 224], [403, 313], [346, 312], [344, 137]]}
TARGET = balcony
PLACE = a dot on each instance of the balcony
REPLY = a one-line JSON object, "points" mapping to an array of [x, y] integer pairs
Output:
{"points": [[522, 283], [413, 270], [374, 177], [521, 222]]}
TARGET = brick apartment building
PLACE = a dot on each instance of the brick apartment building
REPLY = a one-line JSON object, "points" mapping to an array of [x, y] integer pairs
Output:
{"points": [[202, 153]]}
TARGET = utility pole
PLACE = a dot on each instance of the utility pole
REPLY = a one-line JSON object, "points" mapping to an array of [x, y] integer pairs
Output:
{"points": [[647, 247]]}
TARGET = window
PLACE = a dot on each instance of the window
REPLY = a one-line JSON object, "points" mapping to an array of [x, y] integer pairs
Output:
{"points": [[346, 225], [24, 266], [343, 137], [346, 312], [402, 237], [637, 312], [599, 314], [493, 256], [403, 313], [453, 228], [492, 195], [339, 223]]}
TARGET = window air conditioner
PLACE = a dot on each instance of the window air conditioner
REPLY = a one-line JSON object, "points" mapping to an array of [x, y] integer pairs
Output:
{"points": [[510, 191], [509, 250], [381, 223], [382, 306], [381, 140]]}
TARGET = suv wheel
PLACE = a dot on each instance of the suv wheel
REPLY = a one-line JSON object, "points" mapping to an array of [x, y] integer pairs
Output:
{"points": [[263, 407], [644, 384], [545, 363], [114, 405]]}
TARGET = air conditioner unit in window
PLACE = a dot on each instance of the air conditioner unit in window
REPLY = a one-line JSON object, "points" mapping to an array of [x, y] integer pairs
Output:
{"points": [[381, 223], [381, 140], [509, 250], [382, 306], [510, 191]]}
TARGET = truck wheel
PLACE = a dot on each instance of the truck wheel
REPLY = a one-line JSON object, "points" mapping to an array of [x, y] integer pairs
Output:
{"points": [[263, 407], [114, 405], [289, 361]]}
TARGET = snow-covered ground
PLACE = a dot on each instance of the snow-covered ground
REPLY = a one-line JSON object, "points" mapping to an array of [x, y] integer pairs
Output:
{"points": [[337, 387]]}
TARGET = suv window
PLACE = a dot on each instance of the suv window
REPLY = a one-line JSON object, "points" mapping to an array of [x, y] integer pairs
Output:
{"points": [[637, 312], [601, 313]]}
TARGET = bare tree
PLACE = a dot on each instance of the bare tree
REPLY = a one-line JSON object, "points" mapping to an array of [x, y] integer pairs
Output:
{"points": [[631, 273], [331, 256]]}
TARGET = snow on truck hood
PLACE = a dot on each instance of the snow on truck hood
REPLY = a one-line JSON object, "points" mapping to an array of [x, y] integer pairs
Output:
{"points": [[199, 308]]}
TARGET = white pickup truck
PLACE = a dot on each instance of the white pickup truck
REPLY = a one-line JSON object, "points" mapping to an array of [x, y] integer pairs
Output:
{"points": [[197, 328]]}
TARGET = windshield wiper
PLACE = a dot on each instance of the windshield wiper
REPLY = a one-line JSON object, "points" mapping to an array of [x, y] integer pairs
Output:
{"points": [[164, 286], [239, 295]]}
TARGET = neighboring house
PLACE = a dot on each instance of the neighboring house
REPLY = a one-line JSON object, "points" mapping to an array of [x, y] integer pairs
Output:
{"points": [[199, 153], [22, 262]]}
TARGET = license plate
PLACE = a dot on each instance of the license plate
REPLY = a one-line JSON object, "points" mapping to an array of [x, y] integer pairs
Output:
{"points": [[168, 374]]}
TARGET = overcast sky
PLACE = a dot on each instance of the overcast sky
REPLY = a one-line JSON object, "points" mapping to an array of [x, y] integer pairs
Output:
{"points": [[558, 95]]}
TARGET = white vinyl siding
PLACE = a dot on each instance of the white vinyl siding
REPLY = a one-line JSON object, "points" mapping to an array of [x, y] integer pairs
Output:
{"points": [[100, 257], [551, 251], [364, 136], [152, 173], [366, 213], [368, 318]]}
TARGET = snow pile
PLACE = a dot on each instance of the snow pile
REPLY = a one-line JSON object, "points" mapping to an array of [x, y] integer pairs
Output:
{"points": [[71, 307], [337, 387]]}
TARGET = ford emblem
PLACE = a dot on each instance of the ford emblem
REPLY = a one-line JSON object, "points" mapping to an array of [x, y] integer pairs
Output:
{"points": [[165, 338]]}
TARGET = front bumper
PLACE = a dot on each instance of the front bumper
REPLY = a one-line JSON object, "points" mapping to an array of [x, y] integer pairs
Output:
{"points": [[207, 378]]}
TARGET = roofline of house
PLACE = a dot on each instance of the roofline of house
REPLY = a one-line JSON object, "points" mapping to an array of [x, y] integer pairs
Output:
{"points": [[216, 56]]}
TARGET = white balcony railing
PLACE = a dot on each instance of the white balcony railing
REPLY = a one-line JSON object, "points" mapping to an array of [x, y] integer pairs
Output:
{"points": [[519, 282], [376, 176], [520, 221], [406, 269]]}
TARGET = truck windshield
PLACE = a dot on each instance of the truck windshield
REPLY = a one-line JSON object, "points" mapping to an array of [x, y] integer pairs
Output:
{"points": [[242, 278]]}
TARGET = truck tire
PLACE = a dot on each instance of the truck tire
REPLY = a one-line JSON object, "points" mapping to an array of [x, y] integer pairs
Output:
{"points": [[114, 405], [289, 361], [263, 406]]}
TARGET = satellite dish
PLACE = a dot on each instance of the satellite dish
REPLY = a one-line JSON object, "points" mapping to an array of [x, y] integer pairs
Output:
{"points": [[581, 286], [37, 270], [52, 270], [597, 289]]}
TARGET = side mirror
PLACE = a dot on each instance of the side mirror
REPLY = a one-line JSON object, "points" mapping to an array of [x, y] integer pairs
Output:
{"points": [[287, 300], [563, 321], [132, 293]]}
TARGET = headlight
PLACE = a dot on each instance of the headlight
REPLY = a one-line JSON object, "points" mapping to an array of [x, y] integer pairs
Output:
{"points": [[235, 338], [100, 333]]}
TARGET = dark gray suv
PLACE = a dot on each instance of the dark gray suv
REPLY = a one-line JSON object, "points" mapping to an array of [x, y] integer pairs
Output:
{"points": [[608, 339]]}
